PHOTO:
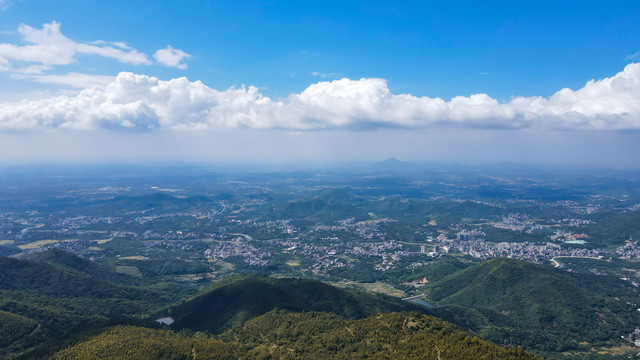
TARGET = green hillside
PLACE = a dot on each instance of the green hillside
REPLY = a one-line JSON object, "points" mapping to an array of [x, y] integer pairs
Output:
{"points": [[53, 297], [66, 260], [63, 260], [515, 302], [312, 335], [320, 209], [238, 300], [153, 202], [16, 330], [41, 303], [614, 228], [45, 279]]}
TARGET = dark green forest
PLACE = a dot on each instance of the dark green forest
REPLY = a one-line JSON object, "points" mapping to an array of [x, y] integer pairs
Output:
{"points": [[514, 302], [309, 335]]}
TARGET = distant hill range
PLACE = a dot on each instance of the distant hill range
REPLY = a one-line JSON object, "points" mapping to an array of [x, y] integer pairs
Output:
{"points": [[150, 202]]}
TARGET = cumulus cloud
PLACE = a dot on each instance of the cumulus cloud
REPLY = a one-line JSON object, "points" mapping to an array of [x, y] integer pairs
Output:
{"points": [[48, 46], [171, 57], [133, 101]]}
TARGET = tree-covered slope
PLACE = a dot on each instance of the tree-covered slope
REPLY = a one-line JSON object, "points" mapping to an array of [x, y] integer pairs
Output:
{"points": [[66, 261], [151, 202], [41, 303], [45, 279], [614, 228], [16, 330], [236, 301], [311, 335], [515, 302], [323, 209]]}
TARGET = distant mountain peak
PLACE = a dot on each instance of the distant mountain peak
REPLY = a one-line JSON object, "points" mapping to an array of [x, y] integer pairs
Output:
{"points": [[394, 164], [392, 160]]}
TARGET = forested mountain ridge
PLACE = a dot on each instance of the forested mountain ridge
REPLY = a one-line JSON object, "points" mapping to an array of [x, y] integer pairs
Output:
{"points": [[231, 303], [515, 302], [41, 303], [45, 302], [52, 297], [309, 335]]}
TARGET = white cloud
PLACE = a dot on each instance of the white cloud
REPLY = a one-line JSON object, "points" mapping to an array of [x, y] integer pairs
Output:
{"points": [[322, 75], [32, 69], [171, 57], [130, 56], [633, 56], [114, 43], [48, 46], [144, 102], [4, 65], [72, 79]]}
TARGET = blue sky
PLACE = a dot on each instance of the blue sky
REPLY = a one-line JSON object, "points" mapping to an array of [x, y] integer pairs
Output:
{"points": [[330, 72]]}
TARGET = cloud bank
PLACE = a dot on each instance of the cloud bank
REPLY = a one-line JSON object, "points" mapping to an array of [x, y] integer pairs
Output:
{"points": [[142, 102]]}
